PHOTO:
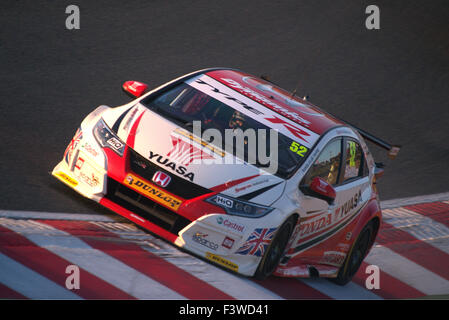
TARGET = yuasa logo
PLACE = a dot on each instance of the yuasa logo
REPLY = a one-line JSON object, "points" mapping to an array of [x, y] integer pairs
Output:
{"points": [[161, 178], [224, 201]]}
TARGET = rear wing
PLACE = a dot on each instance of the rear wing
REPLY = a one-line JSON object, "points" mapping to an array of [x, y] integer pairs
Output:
{"points": [[393, 149]]}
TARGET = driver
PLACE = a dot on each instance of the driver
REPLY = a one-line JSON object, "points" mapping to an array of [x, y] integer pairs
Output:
{"points": [[237, 120]]}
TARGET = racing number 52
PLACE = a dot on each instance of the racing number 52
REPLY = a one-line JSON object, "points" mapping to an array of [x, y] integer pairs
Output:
{"points": [[299, 149]]}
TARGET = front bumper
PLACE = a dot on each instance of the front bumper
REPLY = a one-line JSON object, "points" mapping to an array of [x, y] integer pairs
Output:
{"points": [[83, 167], [215, 236]]}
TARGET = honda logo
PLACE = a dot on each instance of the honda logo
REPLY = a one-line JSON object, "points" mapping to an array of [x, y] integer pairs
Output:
{"points": [[161, 178]]}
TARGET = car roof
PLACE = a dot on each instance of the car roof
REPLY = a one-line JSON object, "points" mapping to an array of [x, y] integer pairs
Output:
{"points": [[277, 99]]}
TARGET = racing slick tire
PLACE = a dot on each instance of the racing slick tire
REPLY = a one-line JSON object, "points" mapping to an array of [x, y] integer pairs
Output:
{"points": [[275, 250], [355, 257]]}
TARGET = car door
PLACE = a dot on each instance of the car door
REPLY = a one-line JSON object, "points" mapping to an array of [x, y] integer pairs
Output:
{"points": [[353, 186], [342, 164], [318, 212]]}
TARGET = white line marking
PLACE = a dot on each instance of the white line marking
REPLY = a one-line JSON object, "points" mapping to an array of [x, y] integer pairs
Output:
{"points": [[238, 287], [394, 203], [407, 271], [131, 281], [349, 291], [30, 283], [419, 226], [53, 216], [92, 260]]}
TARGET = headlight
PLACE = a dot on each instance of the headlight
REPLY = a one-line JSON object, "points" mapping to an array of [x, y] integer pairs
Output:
{"points": [[238, 207], [107, 139]]}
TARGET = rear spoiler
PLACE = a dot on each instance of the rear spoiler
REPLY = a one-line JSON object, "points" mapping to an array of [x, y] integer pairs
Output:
{"points": [[393, 150]]}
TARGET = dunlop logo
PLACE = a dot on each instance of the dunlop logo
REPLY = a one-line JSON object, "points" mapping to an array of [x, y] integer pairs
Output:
{"points": [[222, 261], [152, 192], [67, 179]]}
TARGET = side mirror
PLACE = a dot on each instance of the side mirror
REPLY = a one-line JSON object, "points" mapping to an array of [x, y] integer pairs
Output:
{"points": [[134, 89], [321, 189]]}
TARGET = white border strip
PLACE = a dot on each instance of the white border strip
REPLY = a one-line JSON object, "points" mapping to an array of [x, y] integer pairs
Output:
{"points": [[15, 214], [394, 203]]}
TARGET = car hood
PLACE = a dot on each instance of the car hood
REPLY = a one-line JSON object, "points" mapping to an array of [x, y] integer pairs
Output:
{"points": [[178, 152]]}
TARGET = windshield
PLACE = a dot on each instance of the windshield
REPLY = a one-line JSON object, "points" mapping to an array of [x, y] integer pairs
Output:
{"points": [[184, 104]]}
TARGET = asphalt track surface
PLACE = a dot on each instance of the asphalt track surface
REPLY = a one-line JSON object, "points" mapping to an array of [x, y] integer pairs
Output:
{"points": [[393, 82]]}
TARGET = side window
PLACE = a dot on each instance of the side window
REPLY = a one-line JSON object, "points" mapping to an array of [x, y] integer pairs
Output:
{"points": [[354, 164], [327, 165]]}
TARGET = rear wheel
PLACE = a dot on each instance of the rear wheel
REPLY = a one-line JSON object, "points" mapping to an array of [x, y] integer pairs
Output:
{"points": [[276, 250], [355, 256]]}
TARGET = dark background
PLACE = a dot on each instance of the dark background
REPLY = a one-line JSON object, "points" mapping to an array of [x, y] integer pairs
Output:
{"points": [[393, 82]]}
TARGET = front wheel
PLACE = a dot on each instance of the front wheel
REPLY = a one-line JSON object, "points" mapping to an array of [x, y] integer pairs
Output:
{"points": [[355, 256], [276, 250]]}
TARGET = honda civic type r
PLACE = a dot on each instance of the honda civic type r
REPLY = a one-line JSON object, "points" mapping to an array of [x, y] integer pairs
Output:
{"points": [[312, 209]]}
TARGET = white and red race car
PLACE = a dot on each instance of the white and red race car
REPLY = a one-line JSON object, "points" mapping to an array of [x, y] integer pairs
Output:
{"points": [[309, 209]]}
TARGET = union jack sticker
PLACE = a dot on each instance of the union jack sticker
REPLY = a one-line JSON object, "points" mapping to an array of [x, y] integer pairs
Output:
{"points": [[257, 242], [72, 145]]}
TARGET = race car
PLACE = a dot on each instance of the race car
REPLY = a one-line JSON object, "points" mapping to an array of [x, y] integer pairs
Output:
{"points": [[289, 191]]}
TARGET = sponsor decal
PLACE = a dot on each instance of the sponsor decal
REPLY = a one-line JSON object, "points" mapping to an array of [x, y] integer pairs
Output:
{"points": [[352, 203], [336, 222], [185, 153], [79, 163], [90, 149], [238, 189], [67, 179], [267, 102], [130, 119], [299, 149], [228, 97], [310, 159], [222, 261], [203, 143], [229, 224], [344, 246], [257, 242], [167, 163], [115, 144], [200, 238], [152, 192], [296, 131], [315, 225], [72, 146], [228, 243], [333, 258], [91, 180], [84, 172], [291, 123], [161, 178], [224, 201], [322, 186], [287, 99]]}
